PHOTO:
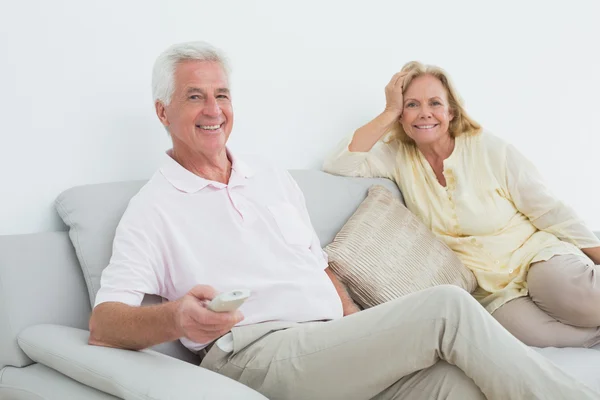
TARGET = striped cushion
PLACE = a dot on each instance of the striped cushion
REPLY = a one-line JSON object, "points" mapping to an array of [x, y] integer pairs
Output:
{"points": [[384, 252]]}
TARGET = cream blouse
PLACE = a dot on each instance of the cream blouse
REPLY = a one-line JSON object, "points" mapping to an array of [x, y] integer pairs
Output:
{"points": [[495, 212]]}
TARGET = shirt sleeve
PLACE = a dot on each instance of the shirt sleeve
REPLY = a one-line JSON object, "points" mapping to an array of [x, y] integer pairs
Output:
{"points": [[134, 267], [534, 199], [300, 203], [379, 162]]}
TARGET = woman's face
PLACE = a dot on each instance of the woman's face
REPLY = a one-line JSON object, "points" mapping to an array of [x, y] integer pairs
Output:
{"points": [[426, 114]]}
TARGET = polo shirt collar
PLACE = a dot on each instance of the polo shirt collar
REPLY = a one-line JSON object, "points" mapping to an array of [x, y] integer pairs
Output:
{"points": [[186, 181]]}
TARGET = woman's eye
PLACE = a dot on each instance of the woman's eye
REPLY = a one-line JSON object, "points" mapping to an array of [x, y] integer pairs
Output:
{"points": [[411, 105]]}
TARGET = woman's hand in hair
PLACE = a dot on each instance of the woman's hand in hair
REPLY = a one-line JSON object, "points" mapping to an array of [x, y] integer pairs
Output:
{"points": [[393, 94]]}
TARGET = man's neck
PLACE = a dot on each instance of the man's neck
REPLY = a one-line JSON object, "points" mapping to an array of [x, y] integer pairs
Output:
{"points": [[214, 167]]}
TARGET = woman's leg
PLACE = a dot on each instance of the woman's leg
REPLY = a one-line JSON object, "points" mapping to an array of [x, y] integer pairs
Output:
{"points": [[532, 326], [567, 288]]}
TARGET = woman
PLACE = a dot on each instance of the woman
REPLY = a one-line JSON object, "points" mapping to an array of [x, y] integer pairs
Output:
{"points": [[533, 258]]}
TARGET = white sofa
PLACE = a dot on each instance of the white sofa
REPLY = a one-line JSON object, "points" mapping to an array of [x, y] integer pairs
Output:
{"points": [[45, 306]]}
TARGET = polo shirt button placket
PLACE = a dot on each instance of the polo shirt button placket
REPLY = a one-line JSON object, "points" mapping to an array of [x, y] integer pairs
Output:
{"points": [[234, 203]]}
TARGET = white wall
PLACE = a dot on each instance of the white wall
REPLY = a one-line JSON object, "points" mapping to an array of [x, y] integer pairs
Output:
{"points": [[75, 81]]}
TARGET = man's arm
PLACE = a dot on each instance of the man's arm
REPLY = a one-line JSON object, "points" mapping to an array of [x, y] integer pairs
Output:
{"points": [[122, 326], [347, 303]]}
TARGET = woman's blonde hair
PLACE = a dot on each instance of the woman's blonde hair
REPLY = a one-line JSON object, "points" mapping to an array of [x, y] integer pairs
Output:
{"points": [[461, 124]]}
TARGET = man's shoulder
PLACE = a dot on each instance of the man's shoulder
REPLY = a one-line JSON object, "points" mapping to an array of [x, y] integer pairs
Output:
{"points": [[149, 196]]}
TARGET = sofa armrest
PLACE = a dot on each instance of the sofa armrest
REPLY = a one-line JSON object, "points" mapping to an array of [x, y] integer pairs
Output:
{"points": [[126, 374], [15, 393]]}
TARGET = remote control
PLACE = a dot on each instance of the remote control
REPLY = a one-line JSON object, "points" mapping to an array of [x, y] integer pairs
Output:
{"points": [[229, 301]]}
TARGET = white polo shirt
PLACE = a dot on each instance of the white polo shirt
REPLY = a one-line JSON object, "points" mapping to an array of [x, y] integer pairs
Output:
{"points": [[181, 230]]}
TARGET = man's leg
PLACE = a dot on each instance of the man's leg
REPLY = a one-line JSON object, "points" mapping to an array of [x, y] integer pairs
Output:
{"points": [[362, 355], [442, 381]]}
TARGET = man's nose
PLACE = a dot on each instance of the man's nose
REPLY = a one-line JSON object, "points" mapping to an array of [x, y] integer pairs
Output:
{"points": [[211, 107]]}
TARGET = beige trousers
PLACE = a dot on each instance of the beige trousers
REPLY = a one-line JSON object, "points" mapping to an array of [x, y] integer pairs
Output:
{"points": [[435, 344], [563, 306]]}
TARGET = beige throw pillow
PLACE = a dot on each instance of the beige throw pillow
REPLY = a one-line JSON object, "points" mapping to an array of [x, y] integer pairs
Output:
{"points": [[384, 252]]}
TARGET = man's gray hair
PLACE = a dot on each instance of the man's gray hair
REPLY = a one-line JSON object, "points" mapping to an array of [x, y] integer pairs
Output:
{"points": [[163, 73]]}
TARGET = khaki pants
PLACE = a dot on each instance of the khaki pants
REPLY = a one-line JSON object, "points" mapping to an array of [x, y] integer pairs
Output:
{"points": [[394, 351], [563, 306]]}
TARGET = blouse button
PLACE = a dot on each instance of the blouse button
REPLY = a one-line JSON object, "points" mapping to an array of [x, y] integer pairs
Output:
{"points": [[497, 262]]}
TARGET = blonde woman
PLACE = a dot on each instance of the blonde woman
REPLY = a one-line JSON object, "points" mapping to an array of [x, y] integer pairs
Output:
{"points": [[533, 257]]}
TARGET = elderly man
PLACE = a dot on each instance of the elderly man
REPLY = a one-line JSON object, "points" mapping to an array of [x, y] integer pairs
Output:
{"points": [[209, 221]]}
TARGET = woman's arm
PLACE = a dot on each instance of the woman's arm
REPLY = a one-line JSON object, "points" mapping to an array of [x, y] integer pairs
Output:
{"points": [[366, 136], [364, 156], [546, 212]]}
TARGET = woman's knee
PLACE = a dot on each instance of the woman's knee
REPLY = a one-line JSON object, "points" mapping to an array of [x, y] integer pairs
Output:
{"points": [[568, 289], [532, 326]]}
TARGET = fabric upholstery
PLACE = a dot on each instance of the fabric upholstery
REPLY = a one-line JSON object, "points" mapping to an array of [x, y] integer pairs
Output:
{"points": [[385, 252], [136, 375], [50, 384], [40, 282], [15, 393]]}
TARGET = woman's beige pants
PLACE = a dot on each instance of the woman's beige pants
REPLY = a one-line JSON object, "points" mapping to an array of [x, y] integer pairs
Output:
{"points": [[563, 306]]}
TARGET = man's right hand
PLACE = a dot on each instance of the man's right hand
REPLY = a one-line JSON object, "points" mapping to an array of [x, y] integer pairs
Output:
{"points": [[197, 323]]}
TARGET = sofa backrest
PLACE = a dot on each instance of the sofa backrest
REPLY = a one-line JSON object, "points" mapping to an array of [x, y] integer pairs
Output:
{"points": [[331, 200], [40, 276], [40, 282]]}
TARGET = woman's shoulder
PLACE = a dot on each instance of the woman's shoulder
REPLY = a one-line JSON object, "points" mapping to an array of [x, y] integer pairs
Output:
{"points": [[488, 148], [488, 143], [487, 139]]}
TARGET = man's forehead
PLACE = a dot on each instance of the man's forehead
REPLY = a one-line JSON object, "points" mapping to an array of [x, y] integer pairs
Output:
{"points": [[201, 74]]}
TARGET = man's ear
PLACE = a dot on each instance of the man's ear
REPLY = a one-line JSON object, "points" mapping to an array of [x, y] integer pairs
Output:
{"points": [[161, 112]]}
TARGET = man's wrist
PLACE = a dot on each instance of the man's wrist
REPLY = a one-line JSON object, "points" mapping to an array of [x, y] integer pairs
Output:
{"points": [[175, 330]]}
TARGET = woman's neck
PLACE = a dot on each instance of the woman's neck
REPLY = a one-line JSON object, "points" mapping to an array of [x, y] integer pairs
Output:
{"points": [[438, 151]]}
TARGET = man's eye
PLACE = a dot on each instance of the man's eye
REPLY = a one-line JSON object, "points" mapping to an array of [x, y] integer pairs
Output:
{"points": [[194, 97], [222, 96]]}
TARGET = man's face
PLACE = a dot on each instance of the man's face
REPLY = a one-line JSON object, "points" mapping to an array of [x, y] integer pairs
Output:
{"points": [[200, 115]]}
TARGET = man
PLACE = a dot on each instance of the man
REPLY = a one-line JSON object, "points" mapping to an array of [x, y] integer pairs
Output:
{"points": [[210, 222]]}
